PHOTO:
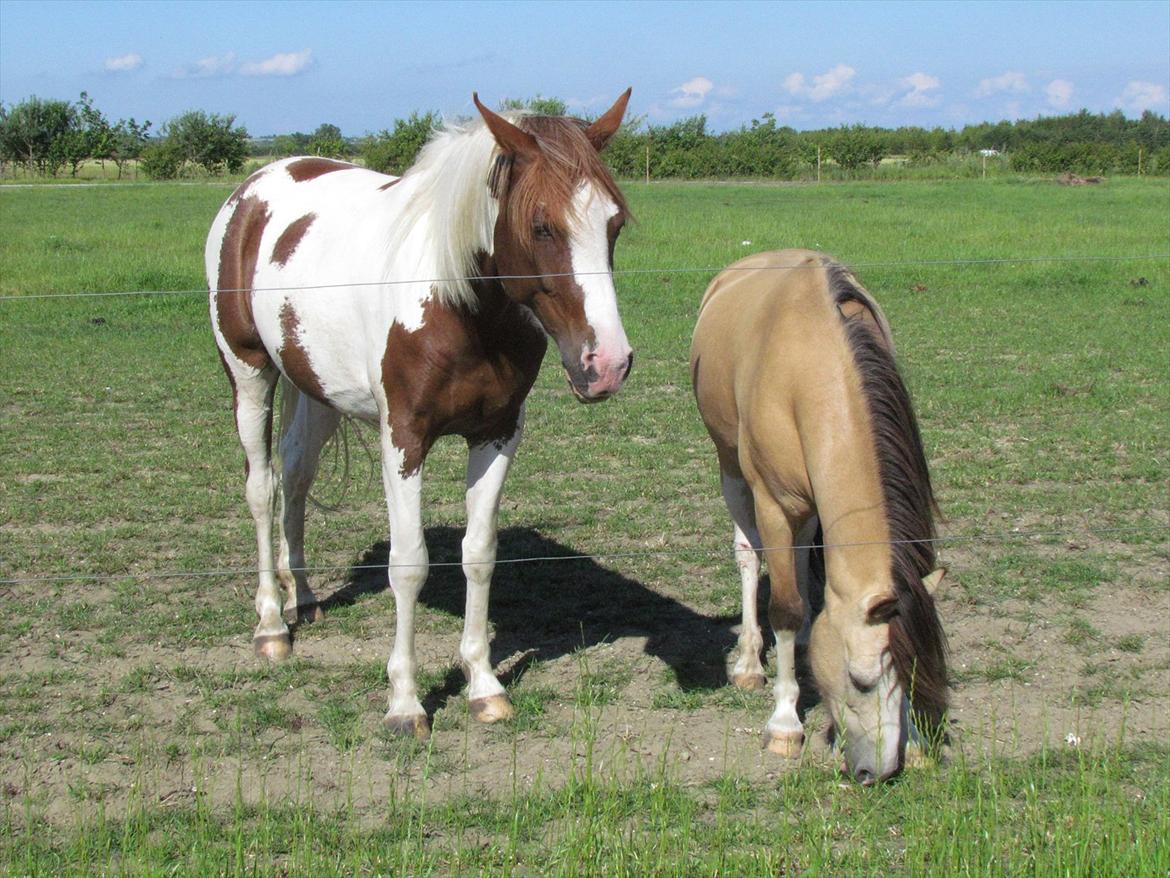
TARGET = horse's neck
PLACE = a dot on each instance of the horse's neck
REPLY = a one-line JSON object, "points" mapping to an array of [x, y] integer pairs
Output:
{"points": [[850, 500]]}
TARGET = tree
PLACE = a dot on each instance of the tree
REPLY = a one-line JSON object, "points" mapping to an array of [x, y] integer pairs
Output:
{"points": [[851, 147], [208, 140], [327, 141], [539, 105], [33, 133], [392, 152], [127, 140]]}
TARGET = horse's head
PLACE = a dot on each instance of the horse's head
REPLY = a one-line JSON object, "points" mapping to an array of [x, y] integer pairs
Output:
{"points": [[859, 655], [560, 215]]}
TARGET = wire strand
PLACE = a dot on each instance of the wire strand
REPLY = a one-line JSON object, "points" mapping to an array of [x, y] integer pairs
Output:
{"points": [[985, 538], [1006, 260]]}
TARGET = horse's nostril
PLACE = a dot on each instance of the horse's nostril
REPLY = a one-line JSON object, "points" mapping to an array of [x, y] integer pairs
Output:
{"points": [[864, 776]]}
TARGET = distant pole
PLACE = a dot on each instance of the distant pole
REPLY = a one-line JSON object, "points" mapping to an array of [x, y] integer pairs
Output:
{"points": [[818, 163], [1139, 161], [647, 162], [984, 166]]}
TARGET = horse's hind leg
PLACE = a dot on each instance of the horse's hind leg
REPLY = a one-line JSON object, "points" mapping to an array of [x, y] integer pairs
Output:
{"points": [[254, 391], [747, 672], [303, 436], [487, 467]]}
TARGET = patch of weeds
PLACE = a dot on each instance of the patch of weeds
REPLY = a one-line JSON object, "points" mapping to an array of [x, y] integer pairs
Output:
{"points": [[603, 685], [140, 679], [92, 754], [529, 703], [341, 719], [1080, 632], [1132, 643], [674, 698]]}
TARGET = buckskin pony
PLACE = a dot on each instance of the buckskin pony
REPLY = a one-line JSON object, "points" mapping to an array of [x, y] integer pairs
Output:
{"points": [[793, 369], [419, 304]]}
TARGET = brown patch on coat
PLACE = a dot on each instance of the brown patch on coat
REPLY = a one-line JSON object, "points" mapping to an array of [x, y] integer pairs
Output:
{"points": [[386, 186], [294, 358], [312, 168], [238, 255], [461, 373], [287, 243]]}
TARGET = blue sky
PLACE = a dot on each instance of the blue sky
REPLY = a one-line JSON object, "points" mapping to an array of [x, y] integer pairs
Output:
{"points": [[289, 66]]}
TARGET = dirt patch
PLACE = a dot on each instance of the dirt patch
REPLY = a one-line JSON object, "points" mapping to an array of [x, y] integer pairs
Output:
{"points": [[607, 673]]}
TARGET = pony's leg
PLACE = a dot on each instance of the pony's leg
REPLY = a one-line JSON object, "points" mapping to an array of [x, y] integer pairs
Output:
{"points": [[806, 578], [254, 424], [783, 733], [487, 467], [311, 426], [408, 571], [747, 672]]}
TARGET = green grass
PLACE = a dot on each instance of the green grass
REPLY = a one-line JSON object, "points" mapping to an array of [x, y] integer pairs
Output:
{"points": [[1040, 383]]}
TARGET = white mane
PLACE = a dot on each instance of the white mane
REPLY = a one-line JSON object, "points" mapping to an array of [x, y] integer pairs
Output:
{"points": [[451, 195]]}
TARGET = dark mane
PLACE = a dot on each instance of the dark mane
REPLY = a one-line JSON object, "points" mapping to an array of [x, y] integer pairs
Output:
{"points": [[917, 641], [546, 188]]}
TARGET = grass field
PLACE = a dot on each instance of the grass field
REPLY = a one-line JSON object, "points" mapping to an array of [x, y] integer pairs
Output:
{"points": [[139, 736]]}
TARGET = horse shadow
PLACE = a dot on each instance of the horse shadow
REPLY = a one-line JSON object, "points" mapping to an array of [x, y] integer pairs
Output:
{"points": [[547, 609]]}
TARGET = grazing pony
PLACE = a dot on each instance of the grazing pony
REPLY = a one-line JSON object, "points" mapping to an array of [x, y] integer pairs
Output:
{"points": [[418, 304], [793, 369]]}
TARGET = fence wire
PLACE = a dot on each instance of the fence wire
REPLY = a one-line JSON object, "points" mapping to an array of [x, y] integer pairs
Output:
{"points": [[986, 538], [914, 263]]}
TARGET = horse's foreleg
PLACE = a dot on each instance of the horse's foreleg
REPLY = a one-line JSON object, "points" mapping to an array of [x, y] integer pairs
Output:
{"points": [[783, 733], [408, 572], [309, 428], [254, 424], [487, 467], [747, 671]]}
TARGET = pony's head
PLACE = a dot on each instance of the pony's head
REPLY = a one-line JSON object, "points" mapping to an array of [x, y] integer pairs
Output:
{"points": [[865, 660], [560, 213]]}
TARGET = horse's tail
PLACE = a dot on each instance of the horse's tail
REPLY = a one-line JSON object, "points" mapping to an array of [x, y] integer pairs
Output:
{"points": [[290, 397]]}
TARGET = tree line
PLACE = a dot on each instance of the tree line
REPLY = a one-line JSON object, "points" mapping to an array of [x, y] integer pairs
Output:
{"points": [[48, 137]]}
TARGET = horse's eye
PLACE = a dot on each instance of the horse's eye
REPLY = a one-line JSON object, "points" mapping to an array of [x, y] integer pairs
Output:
{"points": [[542, 231]]}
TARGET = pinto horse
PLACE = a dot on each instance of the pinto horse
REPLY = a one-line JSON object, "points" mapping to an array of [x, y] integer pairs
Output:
{"points": [[419, 304], [794, 373]]}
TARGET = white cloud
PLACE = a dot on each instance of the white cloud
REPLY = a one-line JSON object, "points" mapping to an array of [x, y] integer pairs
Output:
{"points": [[824, 85], [1059, 92], [692, 92], [204, 68], [123, 63], [1141, 96], [921, 91], [282, 64], [1012, 82]]}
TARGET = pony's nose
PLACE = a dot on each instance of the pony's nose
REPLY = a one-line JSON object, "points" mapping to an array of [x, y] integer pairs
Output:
{"points": [[864, 776]]}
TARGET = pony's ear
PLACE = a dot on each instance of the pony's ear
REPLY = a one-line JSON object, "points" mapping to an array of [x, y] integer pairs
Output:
{"points": [[879, 608], [512, 140], [610, 121], [931, 580]]}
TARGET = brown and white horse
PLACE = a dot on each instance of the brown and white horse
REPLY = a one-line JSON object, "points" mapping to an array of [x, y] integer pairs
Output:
{"points": [[418, 304], [794, 373]]}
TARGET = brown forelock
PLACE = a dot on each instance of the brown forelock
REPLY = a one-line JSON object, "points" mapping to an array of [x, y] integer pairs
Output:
{"points": [[311, 168], [462, 372], [287, 243], [238, 255], [917, 641], [294, 358], [543, 186]]}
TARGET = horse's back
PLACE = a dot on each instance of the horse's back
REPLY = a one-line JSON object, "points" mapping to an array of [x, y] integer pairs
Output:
{"points": [[766, 335]]}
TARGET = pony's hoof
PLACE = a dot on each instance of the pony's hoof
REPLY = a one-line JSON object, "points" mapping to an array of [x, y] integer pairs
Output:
{"points": [[274, 647], [304, 615], [750, 682], [412, 726], [492, 709], [786, 744]]}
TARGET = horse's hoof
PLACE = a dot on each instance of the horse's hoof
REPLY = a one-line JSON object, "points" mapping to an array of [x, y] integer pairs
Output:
{"points": [[304, 615], [492, 709], [274, 647], [413, 726], [750, 682], [786, 744]]}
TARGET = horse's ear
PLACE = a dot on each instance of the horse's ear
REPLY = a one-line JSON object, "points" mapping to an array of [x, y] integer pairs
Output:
{"points": [[931, 580], [610, 121], [512, 139]]}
